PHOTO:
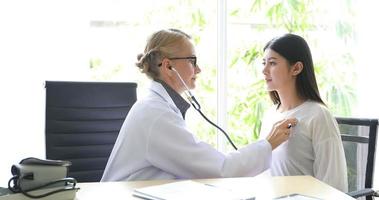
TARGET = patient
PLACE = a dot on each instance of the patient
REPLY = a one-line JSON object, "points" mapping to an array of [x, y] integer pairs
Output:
{"points": [[314, 147]]}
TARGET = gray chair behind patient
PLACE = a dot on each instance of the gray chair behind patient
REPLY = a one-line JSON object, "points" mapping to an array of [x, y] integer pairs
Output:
{"points": [[82, 123], [359, 140]]}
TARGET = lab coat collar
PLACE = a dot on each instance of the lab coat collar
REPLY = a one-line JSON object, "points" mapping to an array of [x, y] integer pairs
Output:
{"points": [[171, 96]]}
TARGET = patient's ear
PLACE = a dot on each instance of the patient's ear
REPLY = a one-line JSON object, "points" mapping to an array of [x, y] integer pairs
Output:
{"points": [[297, 68]]}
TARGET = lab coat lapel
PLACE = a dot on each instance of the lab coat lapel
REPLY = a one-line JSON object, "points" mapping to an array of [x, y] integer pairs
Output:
{"points": [[158, 89]]}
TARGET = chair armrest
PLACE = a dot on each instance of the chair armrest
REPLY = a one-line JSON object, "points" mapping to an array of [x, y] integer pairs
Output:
{"points": [[362, 193]]}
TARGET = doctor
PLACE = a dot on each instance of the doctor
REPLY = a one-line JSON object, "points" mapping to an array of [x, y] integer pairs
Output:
{"points": [[154, 142]]}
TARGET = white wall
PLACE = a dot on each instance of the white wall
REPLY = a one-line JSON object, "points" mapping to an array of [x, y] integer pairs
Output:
{"points": [[368, 71], [36, 44]]}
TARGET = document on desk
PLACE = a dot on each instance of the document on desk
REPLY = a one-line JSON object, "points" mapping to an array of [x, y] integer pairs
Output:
{"points": [[186, 190], [296, 197]]}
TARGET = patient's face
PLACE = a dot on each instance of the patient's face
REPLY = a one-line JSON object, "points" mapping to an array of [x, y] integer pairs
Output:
{"points": [[276, 71]]}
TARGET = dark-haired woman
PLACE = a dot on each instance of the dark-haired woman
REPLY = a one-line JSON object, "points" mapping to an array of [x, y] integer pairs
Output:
{"points": [[314, 147]]}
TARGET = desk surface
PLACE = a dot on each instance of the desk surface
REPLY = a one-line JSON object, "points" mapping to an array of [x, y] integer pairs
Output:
{"points": [[262, 187]]}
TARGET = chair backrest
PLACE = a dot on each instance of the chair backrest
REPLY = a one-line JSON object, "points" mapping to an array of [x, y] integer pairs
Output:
{"points": [[83, 120], [359, 141]]}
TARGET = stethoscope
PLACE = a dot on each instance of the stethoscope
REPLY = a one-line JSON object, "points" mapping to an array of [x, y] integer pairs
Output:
{"points": [[195, 104]]}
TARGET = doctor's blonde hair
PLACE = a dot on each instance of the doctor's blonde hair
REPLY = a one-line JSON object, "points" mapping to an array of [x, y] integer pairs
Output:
{"points": [[161, 44]]}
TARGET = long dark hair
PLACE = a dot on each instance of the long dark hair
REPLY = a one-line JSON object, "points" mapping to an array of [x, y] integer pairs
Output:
{"points": [[295, 49]]}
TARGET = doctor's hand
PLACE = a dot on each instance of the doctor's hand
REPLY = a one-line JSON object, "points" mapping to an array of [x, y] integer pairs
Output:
{"points": [[280, 132]]}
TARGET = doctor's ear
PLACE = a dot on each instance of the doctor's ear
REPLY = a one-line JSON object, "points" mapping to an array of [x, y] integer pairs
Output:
{"points": [[297, 68], [166, 66]]}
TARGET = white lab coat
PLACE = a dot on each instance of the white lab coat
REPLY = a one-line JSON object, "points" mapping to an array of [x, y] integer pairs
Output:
{"points": [[154, 143]]}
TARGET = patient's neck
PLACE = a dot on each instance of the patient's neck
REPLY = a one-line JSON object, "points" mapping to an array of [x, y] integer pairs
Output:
{"points": [[289, 101]]}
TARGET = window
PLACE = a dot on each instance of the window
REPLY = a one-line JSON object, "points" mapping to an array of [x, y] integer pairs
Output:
{"points": [[100, 40]]}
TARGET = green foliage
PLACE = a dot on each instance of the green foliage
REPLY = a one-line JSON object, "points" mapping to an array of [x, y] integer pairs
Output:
{"points": [[245, 112], [344, 30], [247, 96], [332, 71], [99, 72]]}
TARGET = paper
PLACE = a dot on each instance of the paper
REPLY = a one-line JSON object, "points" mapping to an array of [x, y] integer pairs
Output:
{"points": [[297, 197], [185, 190]]}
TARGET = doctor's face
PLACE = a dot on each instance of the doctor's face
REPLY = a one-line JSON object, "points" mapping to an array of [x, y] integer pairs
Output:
{"points": [[185, 63]]}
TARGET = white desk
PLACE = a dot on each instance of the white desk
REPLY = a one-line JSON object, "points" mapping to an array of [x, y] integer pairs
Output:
{"points": [[262, 187]]}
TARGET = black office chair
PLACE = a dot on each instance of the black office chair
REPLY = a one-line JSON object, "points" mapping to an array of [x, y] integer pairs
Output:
{"points": [[82, 123], [359, 141]]}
